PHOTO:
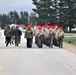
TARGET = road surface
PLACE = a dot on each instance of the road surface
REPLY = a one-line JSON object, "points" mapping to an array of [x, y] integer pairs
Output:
{"points": [[45, 61]]}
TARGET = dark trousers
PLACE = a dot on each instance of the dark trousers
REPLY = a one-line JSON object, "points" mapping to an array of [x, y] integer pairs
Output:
{"points": [[51, 44], [8, 39], [60, 39], [16, 40], [29, 42]]}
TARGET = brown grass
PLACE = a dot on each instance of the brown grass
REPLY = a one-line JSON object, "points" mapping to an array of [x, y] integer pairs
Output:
{"points": [[69, 47]]}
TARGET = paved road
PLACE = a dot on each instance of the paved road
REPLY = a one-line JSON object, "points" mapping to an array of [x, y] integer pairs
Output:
{"points": [[46, 61]]}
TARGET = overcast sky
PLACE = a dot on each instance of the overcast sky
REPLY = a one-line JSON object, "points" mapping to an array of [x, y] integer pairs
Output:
{"points": [[18, 5]]}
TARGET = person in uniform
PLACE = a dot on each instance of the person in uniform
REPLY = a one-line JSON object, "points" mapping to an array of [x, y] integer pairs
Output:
{"points": [[29, 36], [39, 37], [7, 34], [51, 35], [60, 37], [17, 33], [12, 37], [55, 41]]}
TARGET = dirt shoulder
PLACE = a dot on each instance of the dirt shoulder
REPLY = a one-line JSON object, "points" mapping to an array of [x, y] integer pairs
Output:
{"points": [[69, 47]]}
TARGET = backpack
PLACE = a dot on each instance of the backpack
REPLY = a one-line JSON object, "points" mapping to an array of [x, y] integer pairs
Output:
{"points": [[7, 32], [28, 34]]}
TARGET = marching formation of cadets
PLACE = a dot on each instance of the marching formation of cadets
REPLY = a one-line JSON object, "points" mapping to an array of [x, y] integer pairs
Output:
{"points": [[46, 34]]}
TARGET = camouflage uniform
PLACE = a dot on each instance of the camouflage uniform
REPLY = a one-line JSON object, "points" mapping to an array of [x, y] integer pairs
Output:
{"points": [[29, 36], [12, 36], [55, 40], [60, 38], [39, 38], [17, 34], [7, 34], [51, 35]]}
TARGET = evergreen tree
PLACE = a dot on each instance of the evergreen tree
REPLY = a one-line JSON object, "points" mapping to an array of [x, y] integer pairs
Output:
{"points": [[32, 18], [24, 17], [16, 17], [66, 12], [44, 10], [3, 20], [11, 17]]}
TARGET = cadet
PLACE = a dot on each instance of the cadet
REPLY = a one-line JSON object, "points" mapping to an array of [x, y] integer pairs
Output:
{"points": [[60, 37], [51, 35], [12, 37], [55, 41], [29, 36], [39, 37], [17, 33], [7, 34]]}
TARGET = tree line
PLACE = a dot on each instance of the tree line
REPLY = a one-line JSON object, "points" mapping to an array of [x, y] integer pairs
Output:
{"points": [[14, 17], [62, 12]]}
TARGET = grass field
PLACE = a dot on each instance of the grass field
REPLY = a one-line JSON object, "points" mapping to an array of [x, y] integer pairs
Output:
{"points": [[71, 40], [70, 34]]}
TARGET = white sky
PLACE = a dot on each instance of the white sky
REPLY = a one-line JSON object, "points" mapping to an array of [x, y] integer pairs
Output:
{"points": [[18, 5]]}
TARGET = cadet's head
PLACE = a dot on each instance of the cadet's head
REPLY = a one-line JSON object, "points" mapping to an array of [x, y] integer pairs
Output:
{"points": [[29, 27], [57, 28], [39, 28], [60, 28], [8, 26]]}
